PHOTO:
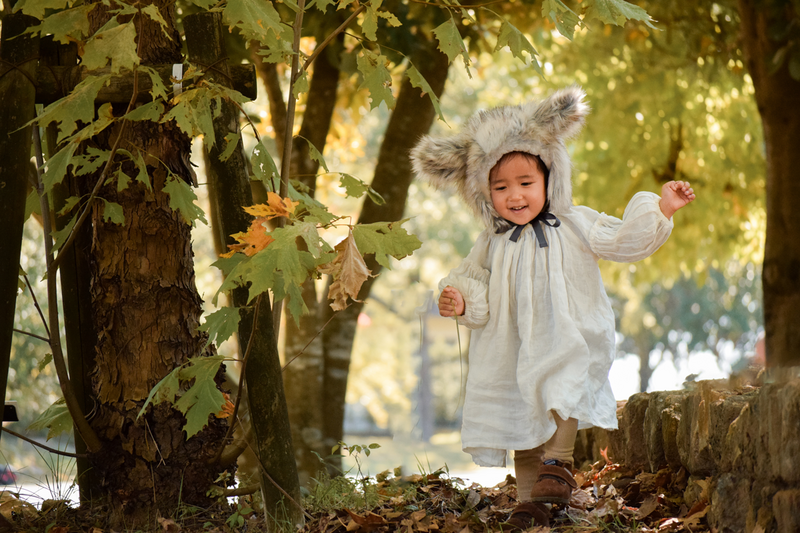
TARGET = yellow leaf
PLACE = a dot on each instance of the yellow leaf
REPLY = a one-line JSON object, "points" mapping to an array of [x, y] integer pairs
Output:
{"points": [[275, 207], [252, 241], [349, 272]]}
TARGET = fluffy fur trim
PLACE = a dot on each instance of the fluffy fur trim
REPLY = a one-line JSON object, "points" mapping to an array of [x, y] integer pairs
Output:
{"points": [[462, 162]]}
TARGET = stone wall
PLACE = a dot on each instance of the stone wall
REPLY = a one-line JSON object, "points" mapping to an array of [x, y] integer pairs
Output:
{"points": [[746, 441]]}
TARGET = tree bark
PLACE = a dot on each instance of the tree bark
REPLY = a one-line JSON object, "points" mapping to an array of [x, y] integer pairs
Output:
{"points": [[17, 94], [411, 118], [775, 91], [303, 376], [229, 187], [146, 312]]}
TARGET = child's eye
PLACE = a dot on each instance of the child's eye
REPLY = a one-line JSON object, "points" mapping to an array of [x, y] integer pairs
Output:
{"points": [[526, 183], [499, 188]]}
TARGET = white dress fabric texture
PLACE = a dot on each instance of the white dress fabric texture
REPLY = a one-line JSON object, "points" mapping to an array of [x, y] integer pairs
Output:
{"points": [[543, 326]]}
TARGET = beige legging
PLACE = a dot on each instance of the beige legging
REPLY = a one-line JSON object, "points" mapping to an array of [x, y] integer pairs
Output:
{"points": [[560, 446]]}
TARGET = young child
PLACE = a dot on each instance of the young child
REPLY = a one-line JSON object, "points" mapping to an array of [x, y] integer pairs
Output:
{"points": [[543, 339]]}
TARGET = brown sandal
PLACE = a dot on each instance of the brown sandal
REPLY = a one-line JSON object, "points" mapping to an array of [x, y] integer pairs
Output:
{"points": [[555, 483], [529, 514]]}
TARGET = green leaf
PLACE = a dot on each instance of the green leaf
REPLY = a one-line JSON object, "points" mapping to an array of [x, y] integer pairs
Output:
{"points": [[221, 324], [158, 89], [322, 5], [264, 167], [356, 188], [518, 43], [152, 11], [151, 111], [385, 239], [254, 18], [562, 16], [390, 19], [377, 78], [37, 8], [227, 264], [182, 198], [77, 106], [370, 24], [46, 360], [91, 161], [116, 44], [56, 419], [56, 167], [142, 177], [112, 212], [60, 236], [301, 85], [279, 265], [203, 398], [616, 12], [277, 49], [421, 83], [32, 204], [231, 143], [450, 41], [315, 154], [164, 391], [70, 24], [69, 204]]}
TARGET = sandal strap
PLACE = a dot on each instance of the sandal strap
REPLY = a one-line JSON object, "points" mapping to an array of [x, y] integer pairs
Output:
{"points": [[560, 474]]}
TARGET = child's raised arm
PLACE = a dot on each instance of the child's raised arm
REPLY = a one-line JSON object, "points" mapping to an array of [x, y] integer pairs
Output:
{"points": [[674, 195], [451, 303]]}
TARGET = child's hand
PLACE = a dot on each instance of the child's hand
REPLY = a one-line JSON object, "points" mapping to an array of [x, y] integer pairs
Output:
{"points": [[451, 303], [674, 195]]}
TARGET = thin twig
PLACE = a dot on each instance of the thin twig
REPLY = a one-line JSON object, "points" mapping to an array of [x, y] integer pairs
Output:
{"points": [[239, 393], [328, 40], [239, 491], [47, 448], [308, 343], [34, 335], [36, 304]]}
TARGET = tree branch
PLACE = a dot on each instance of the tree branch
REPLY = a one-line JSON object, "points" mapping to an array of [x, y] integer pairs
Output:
{"points": [[328, 40], [29, 334], [42, 446]]}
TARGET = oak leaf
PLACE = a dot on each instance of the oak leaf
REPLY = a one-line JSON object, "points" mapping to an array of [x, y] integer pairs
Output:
{"points": [[349, 272]]}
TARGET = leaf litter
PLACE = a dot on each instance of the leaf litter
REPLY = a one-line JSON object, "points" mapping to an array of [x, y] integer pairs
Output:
{"points": [[610, 498]]}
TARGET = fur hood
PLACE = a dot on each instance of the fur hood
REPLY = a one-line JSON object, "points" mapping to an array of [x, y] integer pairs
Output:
{"points": [[462, 162]]}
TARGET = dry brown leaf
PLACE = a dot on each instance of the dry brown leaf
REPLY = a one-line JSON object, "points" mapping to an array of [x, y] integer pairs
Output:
{"points": [[692, 521], [251, 241], [59, 529], [367, 523], [649, 505], [349, 272], [275, 207], [168, 524], [579, 499], [670, 524]]}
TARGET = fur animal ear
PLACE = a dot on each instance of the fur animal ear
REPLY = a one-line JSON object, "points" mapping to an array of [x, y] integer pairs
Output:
{"points": [[563, 112], [442, 161]]}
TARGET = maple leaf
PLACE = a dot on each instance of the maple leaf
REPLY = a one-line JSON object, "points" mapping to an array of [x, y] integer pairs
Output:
{"points": [[349, 272], [275, 207], [251, 241]]}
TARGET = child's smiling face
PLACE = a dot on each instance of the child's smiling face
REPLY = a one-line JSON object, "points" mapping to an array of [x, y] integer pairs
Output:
{"points": [[518, 189]]}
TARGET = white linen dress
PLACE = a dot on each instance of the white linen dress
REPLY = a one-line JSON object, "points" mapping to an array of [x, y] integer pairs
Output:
{"points": [[543, 326]]}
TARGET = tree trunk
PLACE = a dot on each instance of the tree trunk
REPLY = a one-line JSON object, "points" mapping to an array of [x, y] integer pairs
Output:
{"points": [[775, 92], [303, 376], [411, 118], [229, 189], [146, 312], [17, 93]]}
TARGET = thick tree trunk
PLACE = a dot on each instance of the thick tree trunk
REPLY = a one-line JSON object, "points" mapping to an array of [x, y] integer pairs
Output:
{"points": [[17, 94], [776, 91], [146, 312], [411, 118]]}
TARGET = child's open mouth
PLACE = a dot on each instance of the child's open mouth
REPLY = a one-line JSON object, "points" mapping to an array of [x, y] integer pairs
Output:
{"points": [[518, 208]]}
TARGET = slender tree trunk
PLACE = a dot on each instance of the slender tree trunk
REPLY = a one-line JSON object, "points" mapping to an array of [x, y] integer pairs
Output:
{"points": [[303, 376], [411, 118], [17, 93], [146, 312], [776, 91]]}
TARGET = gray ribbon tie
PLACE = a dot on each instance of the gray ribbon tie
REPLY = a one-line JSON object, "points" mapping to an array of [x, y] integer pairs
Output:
{"points": [[542, 218]]}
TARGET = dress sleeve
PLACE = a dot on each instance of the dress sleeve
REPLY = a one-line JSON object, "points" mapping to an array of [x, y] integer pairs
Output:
{"points": [[642, 231], [471, 278]]}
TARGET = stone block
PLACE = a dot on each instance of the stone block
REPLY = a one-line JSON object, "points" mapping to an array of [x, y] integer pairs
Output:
{"points": [[693, 438], [730, 502], [656, 439], [627, 443]]}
